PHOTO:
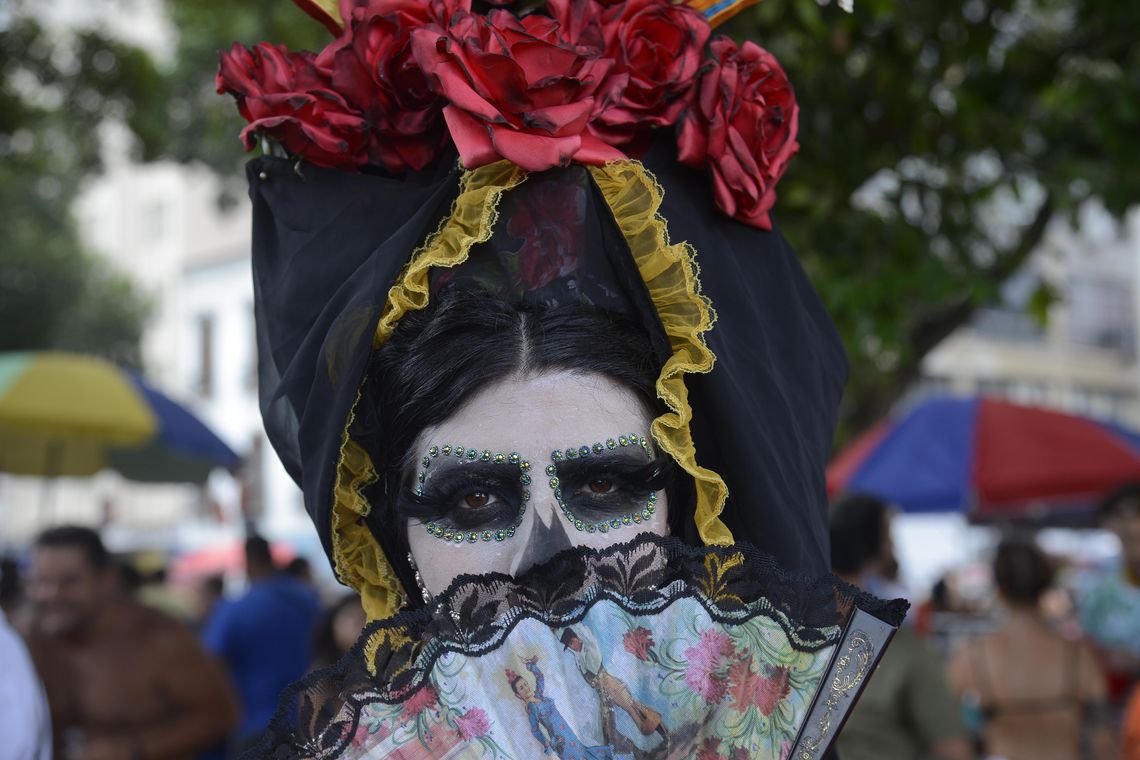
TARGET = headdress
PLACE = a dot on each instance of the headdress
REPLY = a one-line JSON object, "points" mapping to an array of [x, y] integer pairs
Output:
{"points": [[555, 157]]}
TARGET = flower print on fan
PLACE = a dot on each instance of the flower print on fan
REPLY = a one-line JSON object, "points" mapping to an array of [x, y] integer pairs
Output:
{"points": [[473, 724], [707, 672], [639, 642], [754, 689], [743, 127]]}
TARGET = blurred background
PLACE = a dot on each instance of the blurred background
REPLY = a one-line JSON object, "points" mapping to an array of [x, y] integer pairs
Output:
{"points": [[965, 201]]}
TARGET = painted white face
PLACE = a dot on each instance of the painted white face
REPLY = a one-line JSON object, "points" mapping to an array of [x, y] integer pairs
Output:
{"points": [[504, 483]]}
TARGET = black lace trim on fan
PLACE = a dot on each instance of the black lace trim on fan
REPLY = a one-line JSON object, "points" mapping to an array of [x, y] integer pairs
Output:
{"points": [[477, 613]]}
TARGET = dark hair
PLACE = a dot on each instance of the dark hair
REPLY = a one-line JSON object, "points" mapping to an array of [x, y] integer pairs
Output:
{"points": [[325, 649], [1021, 571], [856, 524], [298, 567], [257, 552], [1123, 500], [78, 537]]}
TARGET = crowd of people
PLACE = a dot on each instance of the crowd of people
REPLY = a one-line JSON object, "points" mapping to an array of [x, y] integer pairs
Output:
{"points": [[97, 666], [1027, 680]]}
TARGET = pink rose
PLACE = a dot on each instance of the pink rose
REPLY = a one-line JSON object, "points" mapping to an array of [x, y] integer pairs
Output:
{"points": [[424, 699], [705, 660], [473, 724]]}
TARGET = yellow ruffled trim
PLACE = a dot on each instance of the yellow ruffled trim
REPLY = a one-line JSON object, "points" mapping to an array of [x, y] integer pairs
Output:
{"points": [[472, 221], [357, 557], [671, 275]]}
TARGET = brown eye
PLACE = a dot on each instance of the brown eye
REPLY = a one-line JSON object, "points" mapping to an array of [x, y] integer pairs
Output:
{"points": [[476, 500], [601, 486]]}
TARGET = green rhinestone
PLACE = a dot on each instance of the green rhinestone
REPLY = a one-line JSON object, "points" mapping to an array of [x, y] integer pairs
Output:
{"points": [[603, 528], [645, 513], [524, 465], [551, 470], [554, 482], [500, 535], [458, 538], [637, 517], [511, 532], [459, 451], [599, 448], [487, 535], [556, 456], [426, 462], [557, 493], [611, 443], [419, 490], [584, 451], [433, 451], [633, 437], [446, 449], [485, 456], [622, 440], [615, 524], [422, 476], [651, 508], [591, 528], [472, 537], [472, 454], [626, 519], [524, 479], [571, 453], [526, 495], [514, 457], [448, 535], [500, 457], [579, 524]]}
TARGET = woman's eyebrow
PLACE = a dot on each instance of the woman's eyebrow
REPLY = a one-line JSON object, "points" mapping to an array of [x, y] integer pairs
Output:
{"points": [[456, 471], [625, 459]]}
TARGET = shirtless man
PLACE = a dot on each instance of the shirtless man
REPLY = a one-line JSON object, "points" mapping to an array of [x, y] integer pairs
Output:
{"points": [[124, 681]]}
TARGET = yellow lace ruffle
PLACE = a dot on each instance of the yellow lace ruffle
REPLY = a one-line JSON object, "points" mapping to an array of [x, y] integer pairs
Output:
{"points": [[670, 274]]}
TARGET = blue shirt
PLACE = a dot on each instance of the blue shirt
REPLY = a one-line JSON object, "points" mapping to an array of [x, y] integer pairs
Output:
{"points": [[265, 639]]}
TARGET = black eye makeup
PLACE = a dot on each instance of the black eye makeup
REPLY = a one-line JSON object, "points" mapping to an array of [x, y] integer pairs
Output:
{"points": [[465, 495], [608, 485]]}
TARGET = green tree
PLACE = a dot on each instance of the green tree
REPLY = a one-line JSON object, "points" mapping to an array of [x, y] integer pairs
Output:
{"points": [[938, 139], [54, 93]]}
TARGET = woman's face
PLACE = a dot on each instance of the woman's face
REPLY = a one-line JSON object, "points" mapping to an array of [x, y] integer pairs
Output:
{"points": [[548, 462]]}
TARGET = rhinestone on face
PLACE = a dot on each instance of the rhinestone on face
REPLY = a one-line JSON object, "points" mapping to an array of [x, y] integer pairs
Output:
{"points": [[637, 517], [584, 451], [500, 457], [500, 535], [626, 520], [472, 454], [526, 495], [511, 532], [623, 441], [459, 452], [485, 456], [487, 535], [433, 451], [472, 537], [611, 444], [514, 457], [603, 528], [524, 465], [591, 528], [446, 450], [524, 479], [599, 448], [571, 453], [426, 462], [551, 469], [579, 524], [554, 482], [556, 456]]}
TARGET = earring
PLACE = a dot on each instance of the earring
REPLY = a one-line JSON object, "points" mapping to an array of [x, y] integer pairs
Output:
{"points": [[427, 596]]}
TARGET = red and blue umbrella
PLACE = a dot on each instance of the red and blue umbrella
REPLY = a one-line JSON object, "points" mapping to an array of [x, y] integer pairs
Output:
{"points": [[64, 414], [990, 459]]}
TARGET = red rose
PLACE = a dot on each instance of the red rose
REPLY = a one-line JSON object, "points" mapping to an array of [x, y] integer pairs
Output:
{"points": [[371, 64], [658, 48], [548, 219], [515, 90], [638, 641], [285, 97], [743, 126]]}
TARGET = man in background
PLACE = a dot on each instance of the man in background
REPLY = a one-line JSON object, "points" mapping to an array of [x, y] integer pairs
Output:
{"points": [[906, 710], [1108, 600], [123, 681], [264, 637]]}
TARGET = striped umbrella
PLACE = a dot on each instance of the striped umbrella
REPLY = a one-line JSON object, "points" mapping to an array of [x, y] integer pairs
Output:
{"points": [[64, 414], [989, 459]]}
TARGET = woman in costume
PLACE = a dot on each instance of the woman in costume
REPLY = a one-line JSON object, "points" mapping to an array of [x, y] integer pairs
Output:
{"points": [[487, 357]]}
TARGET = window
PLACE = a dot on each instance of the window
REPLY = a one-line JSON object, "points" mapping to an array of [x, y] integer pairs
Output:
{"points": [[205, 355]]}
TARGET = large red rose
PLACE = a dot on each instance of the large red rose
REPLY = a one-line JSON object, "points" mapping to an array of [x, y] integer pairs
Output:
{"points": [[548, 219], [372, 66], [658, 47], [286, 98], [515, 90], [743, 126]]}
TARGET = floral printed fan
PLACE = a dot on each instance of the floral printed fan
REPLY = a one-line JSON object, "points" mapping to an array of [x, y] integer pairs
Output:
{"points": [[650, 649]]}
